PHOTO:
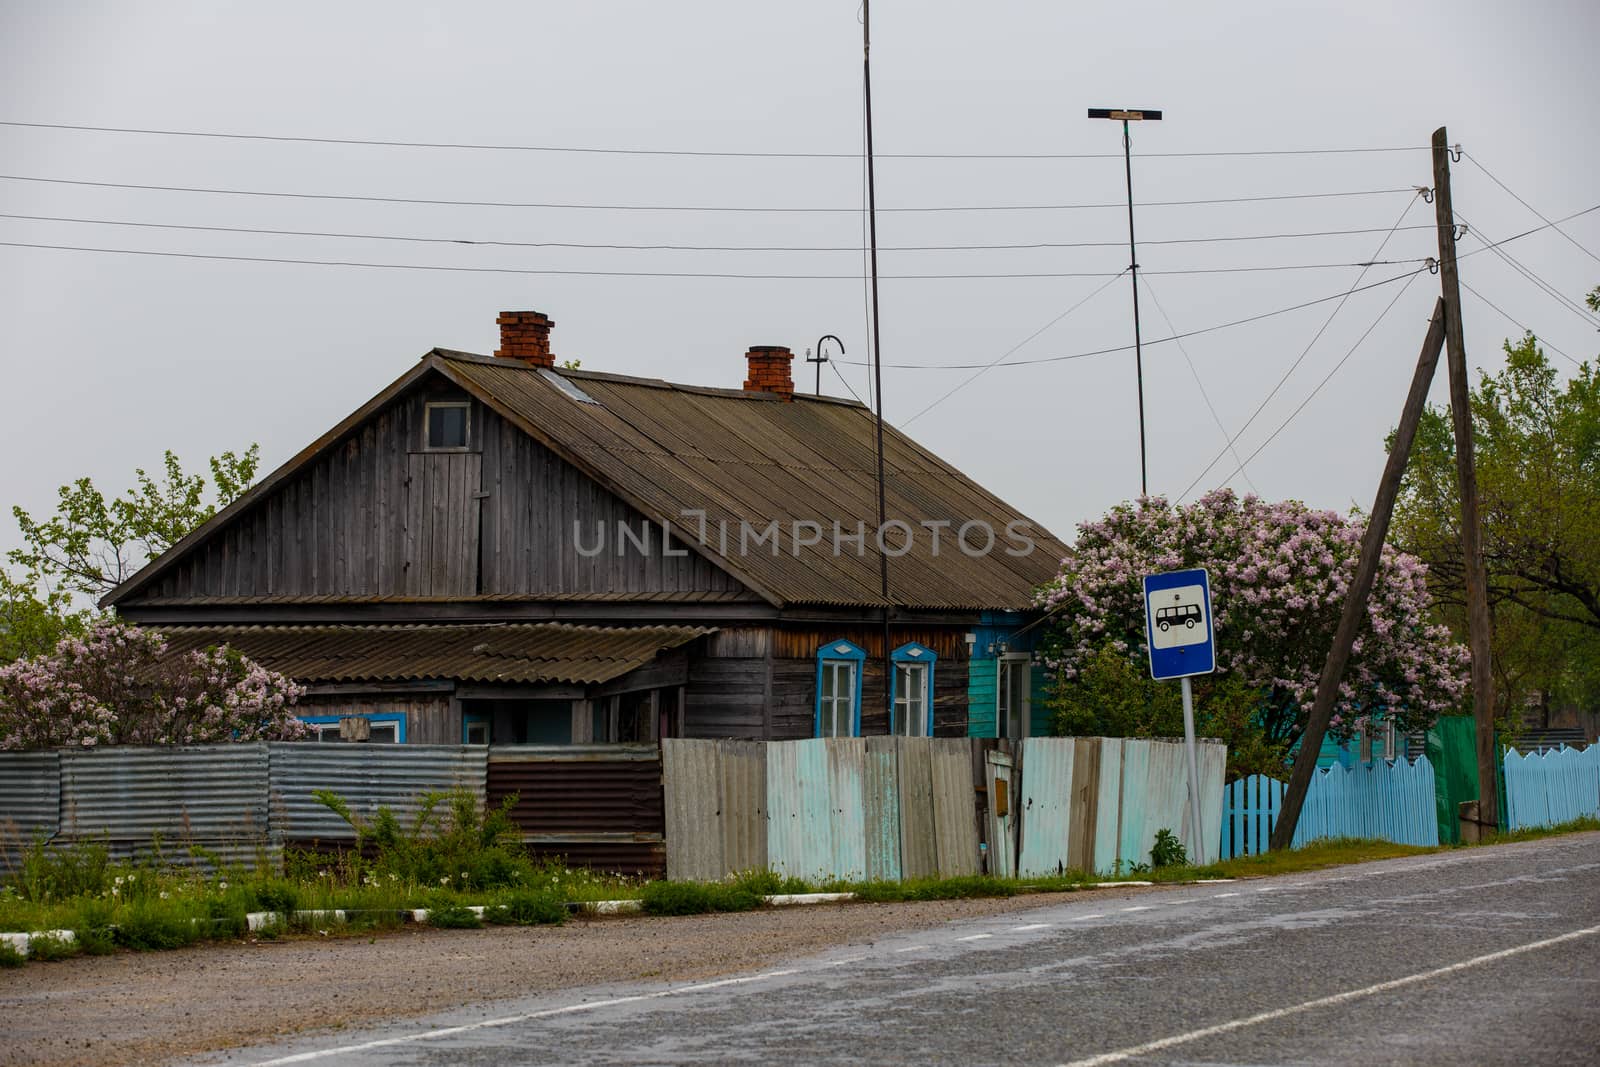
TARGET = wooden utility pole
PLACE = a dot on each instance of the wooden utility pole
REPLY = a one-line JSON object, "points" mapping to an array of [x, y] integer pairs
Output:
{"points": [[1355, 604], [1478, 624]]}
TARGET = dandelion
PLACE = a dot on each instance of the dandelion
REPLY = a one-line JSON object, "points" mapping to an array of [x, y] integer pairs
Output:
{"points": [[445, 880], [163, 894], [222, 886]]}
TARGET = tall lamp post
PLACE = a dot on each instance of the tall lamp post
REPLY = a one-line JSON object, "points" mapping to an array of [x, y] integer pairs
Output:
{"points": [[820, 358], [1125, 116]]}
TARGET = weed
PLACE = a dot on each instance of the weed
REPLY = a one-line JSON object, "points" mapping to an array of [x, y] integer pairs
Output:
{"points": [[10, 957], [454, 917], [1168, 850], [529, 907], [47, 948]]}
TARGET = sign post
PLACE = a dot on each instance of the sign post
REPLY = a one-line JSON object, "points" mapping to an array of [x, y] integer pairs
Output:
{"points": [[1179, 635]]}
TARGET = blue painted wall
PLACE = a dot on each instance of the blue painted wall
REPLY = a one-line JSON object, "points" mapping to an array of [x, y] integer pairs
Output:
{"points": [[982, 673]]}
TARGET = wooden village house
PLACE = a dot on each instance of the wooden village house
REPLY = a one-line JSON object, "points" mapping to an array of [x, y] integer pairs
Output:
{"points": [[497, 549]]}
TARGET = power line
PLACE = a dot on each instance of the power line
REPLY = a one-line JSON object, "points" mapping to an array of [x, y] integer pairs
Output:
{"points": [[975, 375], [665, 274], [1506, 315], [1527, 272], [945, 208], [1299, 359], [1195, 371], [488, 147], [490, 243], [1473, 159], [1325, 380], [1159, 340]]}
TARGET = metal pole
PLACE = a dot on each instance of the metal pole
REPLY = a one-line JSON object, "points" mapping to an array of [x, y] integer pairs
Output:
{"points": [[1133, 277], [877, 348], [1198, 859]]}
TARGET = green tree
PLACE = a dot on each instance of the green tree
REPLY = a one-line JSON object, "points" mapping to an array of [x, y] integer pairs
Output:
{"points": [[1536, 444], [92, 543]]}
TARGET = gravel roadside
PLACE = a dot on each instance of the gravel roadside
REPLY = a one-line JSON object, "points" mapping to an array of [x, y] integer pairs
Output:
{"points": [[151, 1007]]}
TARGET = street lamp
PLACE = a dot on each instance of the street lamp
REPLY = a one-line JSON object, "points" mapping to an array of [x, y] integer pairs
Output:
{"points": [[1127, 115]]}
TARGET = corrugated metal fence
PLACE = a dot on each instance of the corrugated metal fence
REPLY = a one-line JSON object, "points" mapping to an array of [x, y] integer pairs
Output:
{"points": [[1382, 800], [229, 804], [887, 807], [592, 805], [30, 802], [367, 777], [1553, 787]]}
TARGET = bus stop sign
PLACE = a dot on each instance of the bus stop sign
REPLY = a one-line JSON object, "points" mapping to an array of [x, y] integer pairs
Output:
{"points": [[1177, 610]]}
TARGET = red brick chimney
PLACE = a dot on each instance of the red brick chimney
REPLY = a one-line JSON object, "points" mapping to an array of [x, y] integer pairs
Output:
{"points": [[525, 336], [769, 371]]}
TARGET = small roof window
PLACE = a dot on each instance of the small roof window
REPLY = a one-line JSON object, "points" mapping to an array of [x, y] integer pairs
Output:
{"points": [[568, 387], [447, 425]]}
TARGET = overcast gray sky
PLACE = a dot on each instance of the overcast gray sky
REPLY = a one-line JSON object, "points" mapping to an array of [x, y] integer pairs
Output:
{"points": [[109, 359]]}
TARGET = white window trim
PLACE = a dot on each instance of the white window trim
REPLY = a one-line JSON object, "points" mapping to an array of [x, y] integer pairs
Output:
{"points": [[1024, 718], [427, 425]]}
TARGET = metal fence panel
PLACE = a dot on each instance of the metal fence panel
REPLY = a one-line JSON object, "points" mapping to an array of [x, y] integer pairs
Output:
{"points": [[800, 834], [955, 821], [30, 802], [1132, 839], [595, 806], [847, 854], [918, 853], [744, 805], [367, 777], [691, 782], [1085, 811], [1108, 806], [192, 804], [1045, 806], [880, 787], [1213, 759]]}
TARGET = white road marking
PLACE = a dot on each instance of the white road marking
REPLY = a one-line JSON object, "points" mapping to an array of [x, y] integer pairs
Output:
{"points": [[912, 948], [975, 937], [1219, 896], [1323, 1002], [1030, 926], [1140, 907], [1096, 915], [511, 1020]]}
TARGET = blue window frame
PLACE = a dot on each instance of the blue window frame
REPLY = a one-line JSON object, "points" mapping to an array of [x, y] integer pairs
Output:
{"points": [[839, 690], [389, 726], [913, 690], [474, 729]]}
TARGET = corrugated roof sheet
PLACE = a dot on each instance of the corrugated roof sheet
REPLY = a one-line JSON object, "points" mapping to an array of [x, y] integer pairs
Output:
{"points": [[657, 597], [527, 653], [751, 458]]}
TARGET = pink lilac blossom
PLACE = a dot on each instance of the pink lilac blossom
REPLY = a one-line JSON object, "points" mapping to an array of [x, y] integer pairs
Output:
{"points": [[1279, 573], [117, 685]]}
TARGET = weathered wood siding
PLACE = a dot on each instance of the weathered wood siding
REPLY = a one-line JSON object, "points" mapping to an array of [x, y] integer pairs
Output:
{"points": [[537, 511], [429, 718], [375, 515], [761, 683]]}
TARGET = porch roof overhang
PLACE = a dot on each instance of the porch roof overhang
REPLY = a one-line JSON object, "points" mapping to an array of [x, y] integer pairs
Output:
{"points": [[523, 653]]}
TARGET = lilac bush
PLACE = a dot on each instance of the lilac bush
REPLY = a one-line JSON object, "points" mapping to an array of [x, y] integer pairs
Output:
{"points": [[1279, 574], [118, 685]]}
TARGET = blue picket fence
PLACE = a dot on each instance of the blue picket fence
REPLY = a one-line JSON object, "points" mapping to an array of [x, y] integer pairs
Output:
{"points": [[1392, 801], [1552, 787]]}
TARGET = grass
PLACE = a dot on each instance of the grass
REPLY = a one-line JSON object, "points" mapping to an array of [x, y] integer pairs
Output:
{"points": [[151, 906], [1533, 833]]}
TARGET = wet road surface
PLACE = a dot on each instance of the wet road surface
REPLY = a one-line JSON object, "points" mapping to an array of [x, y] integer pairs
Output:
{"points": [[1472, 957]]}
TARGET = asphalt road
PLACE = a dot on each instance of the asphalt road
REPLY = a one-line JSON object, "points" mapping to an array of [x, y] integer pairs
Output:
{"points": [[1472, 957]]}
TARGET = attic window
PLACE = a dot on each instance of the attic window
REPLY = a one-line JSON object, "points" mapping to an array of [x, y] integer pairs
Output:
{"points": [[447, 426]]}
